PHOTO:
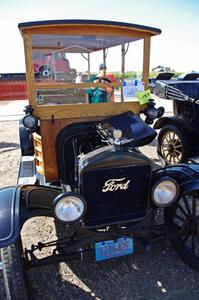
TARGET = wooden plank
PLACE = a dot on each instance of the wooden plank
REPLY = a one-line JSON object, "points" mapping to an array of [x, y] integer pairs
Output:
{"points": [[122, 71], [47, 48], [40, 170], [146, 61], [37, 137], [38, 148], [88, 29], [29, 69], [39, 161], [45, 112], [46, 86]]}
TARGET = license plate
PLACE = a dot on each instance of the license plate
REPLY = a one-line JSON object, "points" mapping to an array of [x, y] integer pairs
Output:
{"points": [[110, 249]]}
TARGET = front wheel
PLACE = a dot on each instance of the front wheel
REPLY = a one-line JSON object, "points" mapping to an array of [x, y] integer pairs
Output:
{"points": [[172, 145], [182, 219], [13, 272]]}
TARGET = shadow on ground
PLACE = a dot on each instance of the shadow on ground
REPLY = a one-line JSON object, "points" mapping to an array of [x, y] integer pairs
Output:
{"points": [[6, 147], [158, 274]]}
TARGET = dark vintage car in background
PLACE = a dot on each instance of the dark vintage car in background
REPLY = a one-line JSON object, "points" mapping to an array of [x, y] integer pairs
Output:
{"points": [[178, 139], [81, 163], [160, 77]]}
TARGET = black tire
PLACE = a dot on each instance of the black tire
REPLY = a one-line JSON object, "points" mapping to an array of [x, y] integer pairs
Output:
{"points": [[13, 272], [172, 145], [2, 289], [182, 220]]}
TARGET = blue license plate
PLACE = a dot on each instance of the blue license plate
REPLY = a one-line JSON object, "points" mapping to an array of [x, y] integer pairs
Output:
{"points": [[110, 249]]}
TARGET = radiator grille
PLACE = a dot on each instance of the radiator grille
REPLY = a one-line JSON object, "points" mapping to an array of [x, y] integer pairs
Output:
{"points": [[119, 205]]}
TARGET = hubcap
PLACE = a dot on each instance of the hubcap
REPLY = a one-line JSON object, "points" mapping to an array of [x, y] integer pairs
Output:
{"points": [[171, 148]]}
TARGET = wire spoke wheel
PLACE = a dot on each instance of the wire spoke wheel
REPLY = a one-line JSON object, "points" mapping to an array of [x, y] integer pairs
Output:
{"points": [[183, 222], [171, 145]]}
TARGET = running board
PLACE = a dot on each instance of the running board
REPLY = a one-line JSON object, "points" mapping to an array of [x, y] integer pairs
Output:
{"points": [[194, 159], [27, 171]]}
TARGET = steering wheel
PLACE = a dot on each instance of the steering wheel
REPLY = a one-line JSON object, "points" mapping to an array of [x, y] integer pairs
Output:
{"points": [[100, 79], [45, 71]]}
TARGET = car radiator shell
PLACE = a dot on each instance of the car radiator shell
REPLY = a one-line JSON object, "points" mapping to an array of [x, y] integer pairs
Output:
{"points": [[115, 184]]}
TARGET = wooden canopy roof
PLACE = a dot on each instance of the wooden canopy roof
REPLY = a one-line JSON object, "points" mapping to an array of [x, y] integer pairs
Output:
{"points": [[109, 31], [88, 27], [83, 36], [64, 23]]}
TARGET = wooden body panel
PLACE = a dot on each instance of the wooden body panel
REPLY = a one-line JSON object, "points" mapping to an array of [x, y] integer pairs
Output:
{"points": [[49, 133], [84, 110]]}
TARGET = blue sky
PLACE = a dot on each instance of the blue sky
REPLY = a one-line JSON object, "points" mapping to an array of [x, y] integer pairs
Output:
{"points": [[177, 46]]}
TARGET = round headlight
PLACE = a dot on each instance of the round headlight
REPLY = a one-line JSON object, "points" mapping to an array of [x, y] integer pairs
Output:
{"points": [[165, 192], [117, 134], [69, 207], [30, 122]]}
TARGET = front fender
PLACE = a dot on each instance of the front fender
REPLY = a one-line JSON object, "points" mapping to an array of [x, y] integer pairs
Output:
{"points": [[9, 215], [190, 186], [18, 204], [186, 175], [176, 121]]}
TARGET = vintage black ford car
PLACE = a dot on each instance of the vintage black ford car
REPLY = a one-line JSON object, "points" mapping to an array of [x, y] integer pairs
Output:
{"points": [[81, 164]]}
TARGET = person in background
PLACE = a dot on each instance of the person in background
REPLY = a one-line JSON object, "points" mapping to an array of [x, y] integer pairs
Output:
{"points": [[104, 77], [103, 73], [78, 79], [102, 70]]}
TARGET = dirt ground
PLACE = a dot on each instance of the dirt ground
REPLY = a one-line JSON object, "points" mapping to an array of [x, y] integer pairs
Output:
{"points": [[159, 274]]}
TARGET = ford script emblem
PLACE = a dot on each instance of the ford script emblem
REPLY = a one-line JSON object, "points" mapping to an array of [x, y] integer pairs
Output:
{"points": [[115, 184]]}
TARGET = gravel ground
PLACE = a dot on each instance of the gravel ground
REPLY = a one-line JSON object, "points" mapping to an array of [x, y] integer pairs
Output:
{"points": [[159, 274]]}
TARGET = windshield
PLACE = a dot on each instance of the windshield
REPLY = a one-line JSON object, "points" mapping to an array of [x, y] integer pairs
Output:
{"points": [[75, 69]]}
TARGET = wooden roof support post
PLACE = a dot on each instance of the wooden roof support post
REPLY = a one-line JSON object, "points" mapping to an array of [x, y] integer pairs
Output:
{"points": [[146, 61], [122, 71], [89, 66], [104, 62], [29, 68]]}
